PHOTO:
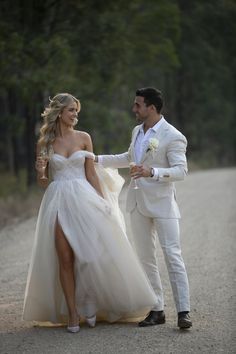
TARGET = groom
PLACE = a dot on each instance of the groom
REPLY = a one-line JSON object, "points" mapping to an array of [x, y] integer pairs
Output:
{"points": [[158, 149]]}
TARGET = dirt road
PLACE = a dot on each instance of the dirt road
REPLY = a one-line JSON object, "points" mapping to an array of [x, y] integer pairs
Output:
{"points": [[208, 232]]}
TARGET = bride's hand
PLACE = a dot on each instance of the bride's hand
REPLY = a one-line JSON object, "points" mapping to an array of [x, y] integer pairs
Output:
{"points": [[40, 164]]}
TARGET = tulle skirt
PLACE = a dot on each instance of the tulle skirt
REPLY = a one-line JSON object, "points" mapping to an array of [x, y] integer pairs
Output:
{"points": [[109, 279]]}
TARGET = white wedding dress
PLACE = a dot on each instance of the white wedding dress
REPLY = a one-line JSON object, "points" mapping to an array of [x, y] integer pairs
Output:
{"points": [[109, 278]]}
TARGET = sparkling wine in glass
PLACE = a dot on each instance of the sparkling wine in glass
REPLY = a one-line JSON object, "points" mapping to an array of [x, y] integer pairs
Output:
{"points": [[132, 164], [43, 154]]}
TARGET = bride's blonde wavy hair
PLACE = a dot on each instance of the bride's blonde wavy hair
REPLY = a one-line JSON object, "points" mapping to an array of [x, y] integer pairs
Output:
{"points": [[51, 116]]}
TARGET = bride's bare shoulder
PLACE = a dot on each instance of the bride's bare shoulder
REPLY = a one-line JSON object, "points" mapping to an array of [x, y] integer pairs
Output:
{"points": [[84, 138], [81, 134]]}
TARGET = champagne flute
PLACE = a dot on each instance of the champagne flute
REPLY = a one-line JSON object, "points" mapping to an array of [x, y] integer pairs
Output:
{"points": [[43, 154], [132, 164]]}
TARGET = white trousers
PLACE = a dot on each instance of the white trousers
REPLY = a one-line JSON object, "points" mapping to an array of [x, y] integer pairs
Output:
{"points": [[145, 230]]}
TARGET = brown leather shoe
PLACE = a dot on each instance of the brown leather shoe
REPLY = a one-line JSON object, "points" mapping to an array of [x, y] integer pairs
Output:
{"points": [[154, 318], [184, 320]]}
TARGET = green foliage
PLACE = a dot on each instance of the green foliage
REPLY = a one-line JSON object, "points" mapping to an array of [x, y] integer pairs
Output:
{"points": [[9, 184], [101, 51], [206, 80]]}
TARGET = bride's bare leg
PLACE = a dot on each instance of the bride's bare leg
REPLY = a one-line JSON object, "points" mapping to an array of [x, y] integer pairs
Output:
{"points": [[66, 265]]}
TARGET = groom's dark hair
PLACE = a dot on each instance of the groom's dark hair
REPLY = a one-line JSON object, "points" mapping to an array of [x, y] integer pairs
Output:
{"points": [[151, 96]]}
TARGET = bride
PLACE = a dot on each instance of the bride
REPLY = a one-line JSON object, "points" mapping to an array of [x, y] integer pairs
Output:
{"points": [[82, 262]]}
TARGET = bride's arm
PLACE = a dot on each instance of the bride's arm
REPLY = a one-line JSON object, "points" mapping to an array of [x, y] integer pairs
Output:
{"points": [[90, 172]]}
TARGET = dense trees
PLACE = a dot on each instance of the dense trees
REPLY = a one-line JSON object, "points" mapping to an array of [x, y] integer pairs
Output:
{"points": [[101, 51]]}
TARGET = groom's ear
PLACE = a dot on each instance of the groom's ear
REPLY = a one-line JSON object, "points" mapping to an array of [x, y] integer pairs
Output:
{"points": [[153, 108]]}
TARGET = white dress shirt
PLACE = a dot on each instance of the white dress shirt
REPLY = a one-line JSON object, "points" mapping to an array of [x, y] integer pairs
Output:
{"points": [[141, 143]]}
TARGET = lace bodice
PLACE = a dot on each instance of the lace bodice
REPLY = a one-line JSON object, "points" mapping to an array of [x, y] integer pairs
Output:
{"points": [[68, 168]]}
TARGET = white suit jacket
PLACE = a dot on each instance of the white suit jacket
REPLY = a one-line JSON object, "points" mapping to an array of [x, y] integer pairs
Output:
{"points": [[155, 198]]}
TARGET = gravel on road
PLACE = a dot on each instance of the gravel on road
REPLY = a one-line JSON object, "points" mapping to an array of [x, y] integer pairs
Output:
{"points": [[207, 201]]}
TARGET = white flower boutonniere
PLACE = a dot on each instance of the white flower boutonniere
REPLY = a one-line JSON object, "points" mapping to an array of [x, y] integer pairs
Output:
{"points": [[153, 145]]}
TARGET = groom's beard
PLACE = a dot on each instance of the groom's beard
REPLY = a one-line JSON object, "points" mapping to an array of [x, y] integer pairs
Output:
{"points": [[139, 120]]}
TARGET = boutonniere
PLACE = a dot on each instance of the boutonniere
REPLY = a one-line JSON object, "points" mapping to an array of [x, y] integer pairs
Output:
{"points": [[152, 145]]}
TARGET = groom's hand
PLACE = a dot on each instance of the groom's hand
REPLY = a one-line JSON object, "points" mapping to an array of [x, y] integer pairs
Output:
{"points": [[140, 171]]}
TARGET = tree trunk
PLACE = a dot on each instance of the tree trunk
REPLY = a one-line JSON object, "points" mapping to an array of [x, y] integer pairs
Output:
{"points": [[30, 146]]}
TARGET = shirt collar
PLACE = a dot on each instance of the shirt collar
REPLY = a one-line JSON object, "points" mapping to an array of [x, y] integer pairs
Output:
{"points": [[155, 127]]}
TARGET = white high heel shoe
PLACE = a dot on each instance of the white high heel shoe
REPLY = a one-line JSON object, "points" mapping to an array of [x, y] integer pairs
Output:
{"points": [[73, 329], [91, 321]]}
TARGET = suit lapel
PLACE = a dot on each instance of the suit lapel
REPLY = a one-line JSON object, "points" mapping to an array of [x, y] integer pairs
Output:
{"points": [[159, 135], [133, 142]]}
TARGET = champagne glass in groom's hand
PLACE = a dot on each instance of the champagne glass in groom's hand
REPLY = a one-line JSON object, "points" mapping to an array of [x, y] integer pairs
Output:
{"points": [[133, 164]]}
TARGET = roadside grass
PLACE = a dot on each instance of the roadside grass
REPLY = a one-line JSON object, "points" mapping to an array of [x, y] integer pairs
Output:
{"points": [[17, 201]]}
